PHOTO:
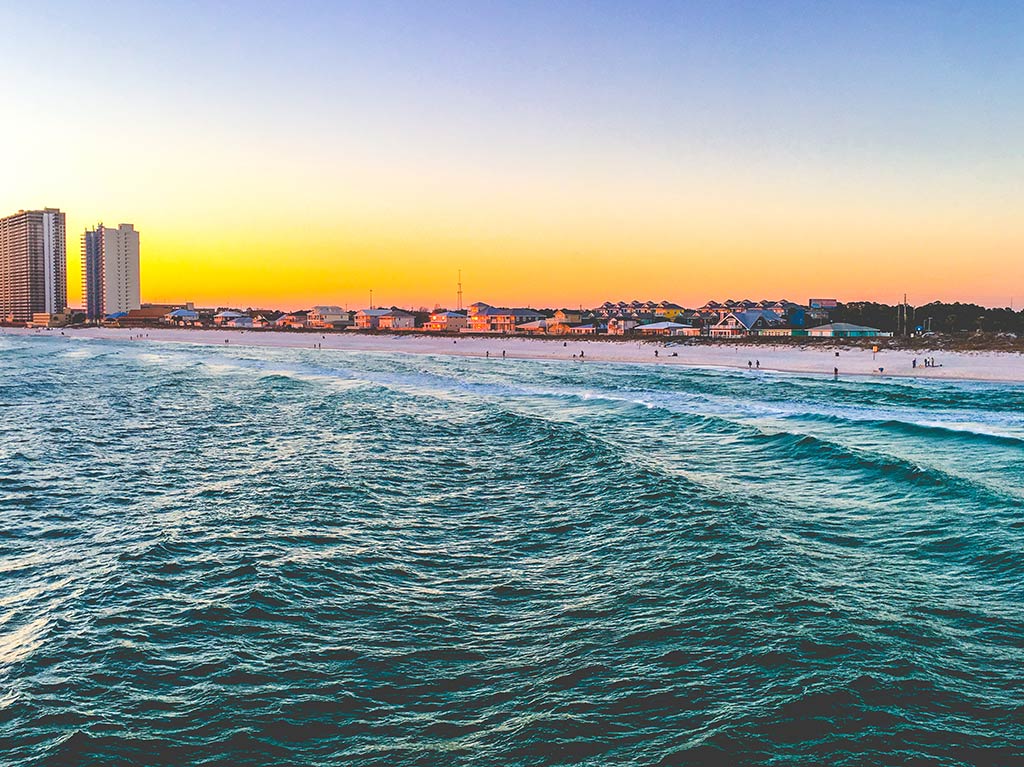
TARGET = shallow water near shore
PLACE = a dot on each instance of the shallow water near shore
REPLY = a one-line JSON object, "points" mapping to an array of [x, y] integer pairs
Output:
{"points": [[287, 557]]}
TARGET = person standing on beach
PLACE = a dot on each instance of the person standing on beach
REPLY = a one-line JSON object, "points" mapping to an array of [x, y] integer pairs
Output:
{"points": [[835, 372], [749, 364], [487, 354], [914, 363], [503, 354], [757, 364]]}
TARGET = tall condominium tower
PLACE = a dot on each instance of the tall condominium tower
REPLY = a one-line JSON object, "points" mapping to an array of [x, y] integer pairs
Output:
{"points": [[33, 264], [110, 270]]}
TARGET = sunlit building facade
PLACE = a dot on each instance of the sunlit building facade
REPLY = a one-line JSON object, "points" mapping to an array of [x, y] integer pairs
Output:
{"points": [[111, 279], [33, 264]]}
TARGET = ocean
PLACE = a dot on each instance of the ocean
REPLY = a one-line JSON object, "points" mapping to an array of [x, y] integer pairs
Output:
{"points": [[244, 556]]}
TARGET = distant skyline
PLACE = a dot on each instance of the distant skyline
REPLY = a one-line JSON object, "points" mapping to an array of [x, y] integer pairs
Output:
{"points": [[557, 152]]}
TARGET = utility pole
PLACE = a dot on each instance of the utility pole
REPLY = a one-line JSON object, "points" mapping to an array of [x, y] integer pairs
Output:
{"points": [[460, 291], [371, 298], [903, 318]]}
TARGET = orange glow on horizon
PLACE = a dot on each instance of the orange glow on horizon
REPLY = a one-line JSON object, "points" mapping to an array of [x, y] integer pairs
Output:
{"points": [[585, 264]]}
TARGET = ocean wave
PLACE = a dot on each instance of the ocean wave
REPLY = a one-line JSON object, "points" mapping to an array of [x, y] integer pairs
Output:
{"points": [[279, 557]]}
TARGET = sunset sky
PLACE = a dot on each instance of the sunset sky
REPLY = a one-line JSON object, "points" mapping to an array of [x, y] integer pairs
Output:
{"points": [[559, 153]]}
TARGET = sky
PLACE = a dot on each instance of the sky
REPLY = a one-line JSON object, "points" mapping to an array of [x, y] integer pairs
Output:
{"points": [[557, 152]]}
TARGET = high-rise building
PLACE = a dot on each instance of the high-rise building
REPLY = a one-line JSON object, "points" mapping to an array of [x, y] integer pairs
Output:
{"points": [[33, 264], [110, 270]]}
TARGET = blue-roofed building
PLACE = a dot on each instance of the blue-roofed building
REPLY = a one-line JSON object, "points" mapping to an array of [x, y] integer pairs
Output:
{"points": [[182, 317]]}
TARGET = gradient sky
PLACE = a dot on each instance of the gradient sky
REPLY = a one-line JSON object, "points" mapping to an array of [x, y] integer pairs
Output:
{"points": [[557, 152]]}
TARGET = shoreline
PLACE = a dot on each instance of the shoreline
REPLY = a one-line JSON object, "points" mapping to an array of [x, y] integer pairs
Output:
{"points": [[852, 360]]}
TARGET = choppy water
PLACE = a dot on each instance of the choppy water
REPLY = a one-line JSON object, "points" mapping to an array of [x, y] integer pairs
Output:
{"points": [[285, 557]]}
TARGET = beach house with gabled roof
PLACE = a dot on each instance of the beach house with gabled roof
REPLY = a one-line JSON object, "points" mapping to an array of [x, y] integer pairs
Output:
{"points": [[294, 320], [446, 322], [745, 323], [182, 317], [397, 319], [385, 319], [329, 316], [226, 316]]}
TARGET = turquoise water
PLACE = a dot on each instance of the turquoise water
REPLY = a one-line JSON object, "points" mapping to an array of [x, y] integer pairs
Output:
{"points": [[299, 557]]}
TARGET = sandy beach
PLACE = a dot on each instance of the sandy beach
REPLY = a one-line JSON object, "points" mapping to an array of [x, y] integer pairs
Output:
{"points": [[813, 358]]}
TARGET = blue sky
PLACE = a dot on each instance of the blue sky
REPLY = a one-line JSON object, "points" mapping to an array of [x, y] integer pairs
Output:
{"points": [[891, 111]]}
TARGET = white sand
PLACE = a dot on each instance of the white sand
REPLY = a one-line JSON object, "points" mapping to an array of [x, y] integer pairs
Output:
{"points": [[815, 357]]}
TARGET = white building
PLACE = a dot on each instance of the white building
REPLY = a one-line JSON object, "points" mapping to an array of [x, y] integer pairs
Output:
{"points": [[111, 280]]}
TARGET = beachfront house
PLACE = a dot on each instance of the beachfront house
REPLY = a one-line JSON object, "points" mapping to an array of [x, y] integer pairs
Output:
{"points": [[182, 317], [226, 316], [329, 317], [293, 320], [620, 326], [564, 320], [369, 319], [667, 329], [844, 330], [446, 322], [745, 323], [490, 319], [385, 319], [568, 316], [397, 319]]}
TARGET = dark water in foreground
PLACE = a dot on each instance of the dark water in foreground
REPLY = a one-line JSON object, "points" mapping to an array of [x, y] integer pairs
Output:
{"points": [[302, 558]]}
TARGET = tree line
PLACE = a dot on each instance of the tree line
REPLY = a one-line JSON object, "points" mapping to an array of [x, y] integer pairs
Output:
{"points": [[936, 316]]}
